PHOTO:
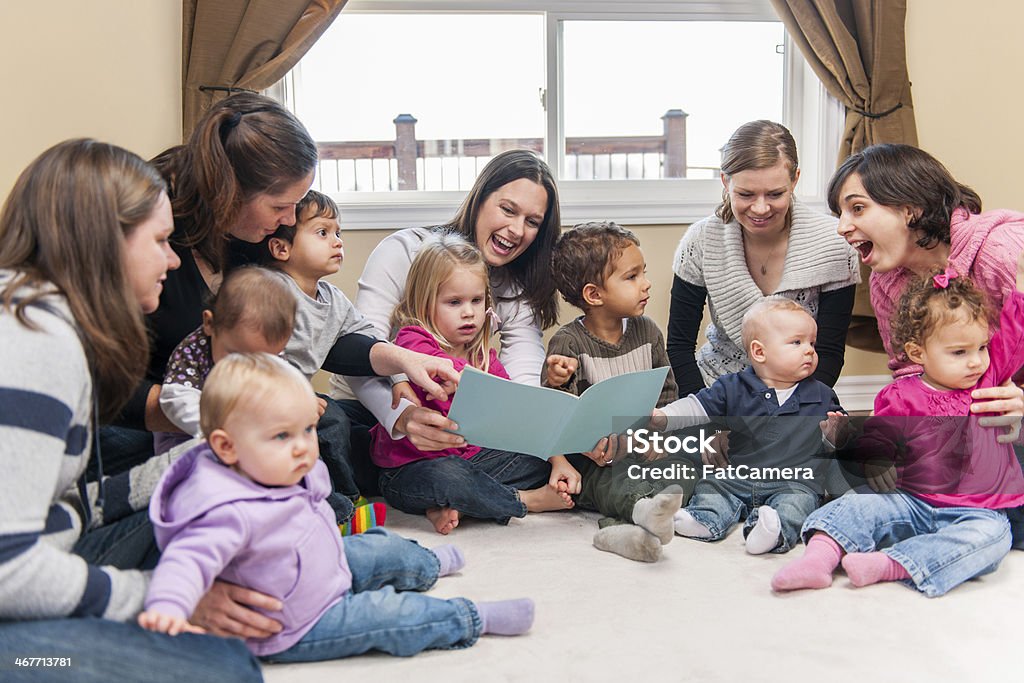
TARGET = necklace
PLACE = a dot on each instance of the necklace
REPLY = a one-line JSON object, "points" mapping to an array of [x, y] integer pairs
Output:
{"points": [[771, 252]]}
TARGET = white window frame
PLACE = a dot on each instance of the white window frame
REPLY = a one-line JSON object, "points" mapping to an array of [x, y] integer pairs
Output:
{"points": [[814, 117]]}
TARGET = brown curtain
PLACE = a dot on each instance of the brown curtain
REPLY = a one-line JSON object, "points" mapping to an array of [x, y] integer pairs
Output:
{"points": [[857, 48], [245, 44]]}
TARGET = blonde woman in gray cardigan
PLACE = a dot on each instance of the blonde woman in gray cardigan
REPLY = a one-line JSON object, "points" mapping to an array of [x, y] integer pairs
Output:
{"points": [[760, 242]]}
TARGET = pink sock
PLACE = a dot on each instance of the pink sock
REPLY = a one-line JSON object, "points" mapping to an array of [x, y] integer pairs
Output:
{"points": [[814, 569], [865, 569], [506, 617]]}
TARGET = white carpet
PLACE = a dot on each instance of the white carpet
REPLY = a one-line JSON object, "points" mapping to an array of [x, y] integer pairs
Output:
{"points": [[704, 612]]}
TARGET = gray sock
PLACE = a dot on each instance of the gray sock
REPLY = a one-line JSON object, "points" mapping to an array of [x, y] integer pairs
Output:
{"points": [[655, 513], [630, 541]]}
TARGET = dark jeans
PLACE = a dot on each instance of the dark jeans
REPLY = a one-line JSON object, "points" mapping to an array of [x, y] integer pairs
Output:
{"points": [[102, 651], [364, 471], [126, 544], [122, 448], [485, 486], [333, 433]]}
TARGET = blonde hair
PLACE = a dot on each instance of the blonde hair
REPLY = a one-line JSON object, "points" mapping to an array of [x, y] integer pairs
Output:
{"points": [[753, 319], [756, 145], [64, 224], [437, 259], [242, 378]]}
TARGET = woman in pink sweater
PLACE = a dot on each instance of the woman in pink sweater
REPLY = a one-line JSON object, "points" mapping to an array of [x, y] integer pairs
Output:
{"points": [[906, 215]]}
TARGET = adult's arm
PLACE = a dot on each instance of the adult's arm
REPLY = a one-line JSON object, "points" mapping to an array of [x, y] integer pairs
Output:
{"points": [[522, 343], [834, 311], [350, 355], [45, 400], [380, 288], [686, 311]]}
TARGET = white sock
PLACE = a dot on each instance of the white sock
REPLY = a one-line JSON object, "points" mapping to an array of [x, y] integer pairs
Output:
{"points": [[686, 525], [767, 533]]}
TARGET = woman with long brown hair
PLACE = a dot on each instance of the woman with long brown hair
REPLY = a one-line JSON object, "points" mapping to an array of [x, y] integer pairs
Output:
{"points": [[83, 254]]}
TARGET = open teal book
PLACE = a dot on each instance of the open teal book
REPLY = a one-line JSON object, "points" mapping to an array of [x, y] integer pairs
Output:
{"points": [[497, 413]]}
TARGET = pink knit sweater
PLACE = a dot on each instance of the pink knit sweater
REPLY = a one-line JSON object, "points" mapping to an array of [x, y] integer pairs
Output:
{"points": [[983, 247]]}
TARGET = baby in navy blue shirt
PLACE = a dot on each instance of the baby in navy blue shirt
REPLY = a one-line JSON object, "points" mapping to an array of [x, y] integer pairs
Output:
{"points": [[782, 425]]}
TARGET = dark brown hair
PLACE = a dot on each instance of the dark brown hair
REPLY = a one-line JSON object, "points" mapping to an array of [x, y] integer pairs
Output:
{"points": [[245, 145], [587, 255], [64, 224], [924, 307], [902, 175], [531, 272], [256, 298], [313, 205], [756, 145]]}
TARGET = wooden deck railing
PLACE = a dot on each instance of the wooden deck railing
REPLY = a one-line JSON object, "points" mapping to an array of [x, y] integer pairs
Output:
{"points": [[406, 163]]}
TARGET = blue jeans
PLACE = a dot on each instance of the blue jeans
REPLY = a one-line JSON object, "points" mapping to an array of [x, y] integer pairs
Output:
{"points": [[485, 486], [719, 504], [940, 547], [101, 651], [374, 615]]}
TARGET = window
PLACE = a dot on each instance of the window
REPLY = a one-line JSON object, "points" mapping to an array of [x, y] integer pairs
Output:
{"points": [[628, 101]]}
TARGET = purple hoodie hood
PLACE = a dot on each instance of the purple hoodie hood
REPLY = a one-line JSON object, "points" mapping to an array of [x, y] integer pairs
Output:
{"points": [[212, 522]]}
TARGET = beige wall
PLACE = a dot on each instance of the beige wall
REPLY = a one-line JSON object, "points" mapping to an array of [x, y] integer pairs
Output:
{"points": [[966, 69], [108, 69]]}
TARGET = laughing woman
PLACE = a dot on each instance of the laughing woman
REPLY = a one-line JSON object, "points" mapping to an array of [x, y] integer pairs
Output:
{"points": [[906, 215]]}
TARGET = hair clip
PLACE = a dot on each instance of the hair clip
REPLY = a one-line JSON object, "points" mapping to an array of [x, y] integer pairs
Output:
{"points": [[941, 281], [495, 320]]}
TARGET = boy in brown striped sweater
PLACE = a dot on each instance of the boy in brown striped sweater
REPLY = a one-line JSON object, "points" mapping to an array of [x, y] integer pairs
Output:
{"points": [[599, 268]]}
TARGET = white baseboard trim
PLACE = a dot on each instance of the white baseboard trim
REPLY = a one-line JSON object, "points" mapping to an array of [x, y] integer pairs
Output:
{"points": [[857, 392]]}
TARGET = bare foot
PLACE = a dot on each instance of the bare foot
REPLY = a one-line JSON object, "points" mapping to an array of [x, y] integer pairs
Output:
{"points": [[546, 499], [443, 519]]}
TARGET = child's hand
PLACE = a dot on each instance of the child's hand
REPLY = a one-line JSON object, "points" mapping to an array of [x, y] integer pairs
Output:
{"points": [[836, 428], [718, 454], [881, 476], [404, 390], [562, 471], [560, 369], [658, 420], [321, 406], [163, 623]]}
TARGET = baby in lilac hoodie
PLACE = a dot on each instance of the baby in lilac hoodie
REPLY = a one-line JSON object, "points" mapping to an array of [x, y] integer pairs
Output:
{"points": [[248, 507]]}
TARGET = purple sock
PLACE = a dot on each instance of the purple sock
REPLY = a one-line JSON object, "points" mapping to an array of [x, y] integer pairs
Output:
{"points": [[450, 557], [506, 617], [865, 569]]}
